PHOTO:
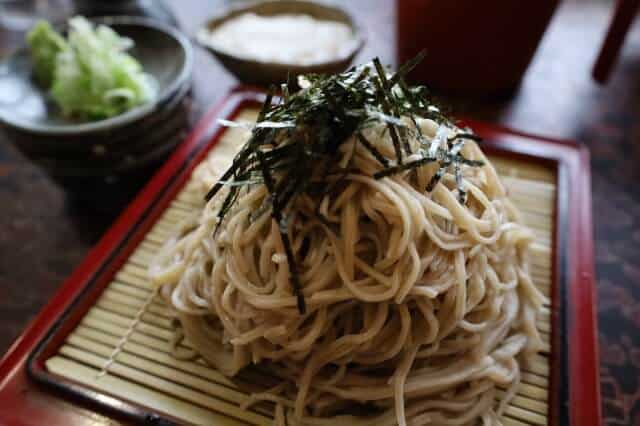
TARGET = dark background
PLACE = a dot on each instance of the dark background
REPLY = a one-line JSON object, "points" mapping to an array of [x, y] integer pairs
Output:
{"points": [[44, 235]]}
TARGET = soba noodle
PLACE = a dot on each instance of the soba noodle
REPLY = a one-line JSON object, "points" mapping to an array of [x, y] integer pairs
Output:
{"points": [[418, 308]]}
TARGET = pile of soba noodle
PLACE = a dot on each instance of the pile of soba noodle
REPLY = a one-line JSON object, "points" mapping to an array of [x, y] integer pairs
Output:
{"points": [[418, 307]]}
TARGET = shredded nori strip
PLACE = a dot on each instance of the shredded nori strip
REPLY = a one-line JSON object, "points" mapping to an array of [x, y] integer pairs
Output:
{"points": [[373, 150], [295, 145], [406, 166]]}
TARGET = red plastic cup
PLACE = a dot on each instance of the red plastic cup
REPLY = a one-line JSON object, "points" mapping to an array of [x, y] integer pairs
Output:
{"points": [[473, 46]]}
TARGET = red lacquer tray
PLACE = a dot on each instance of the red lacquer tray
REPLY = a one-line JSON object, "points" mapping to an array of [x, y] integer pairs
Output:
{"points": [[29, 395]]}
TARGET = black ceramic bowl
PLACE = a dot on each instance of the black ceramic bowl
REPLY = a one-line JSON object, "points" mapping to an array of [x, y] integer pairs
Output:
{"points": [[37, 128], [126, 151]]}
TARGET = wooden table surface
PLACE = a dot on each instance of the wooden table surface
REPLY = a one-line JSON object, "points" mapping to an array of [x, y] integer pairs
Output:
{"points": [[44, 234]]}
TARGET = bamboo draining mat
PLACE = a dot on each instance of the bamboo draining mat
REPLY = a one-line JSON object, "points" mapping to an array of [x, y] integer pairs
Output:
{"points": [[121, 346]]}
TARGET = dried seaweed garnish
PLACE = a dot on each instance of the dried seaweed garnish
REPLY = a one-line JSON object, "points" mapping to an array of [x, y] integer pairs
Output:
{"points": [[388, 105], [469, 136], [295, 145], [435, 179], [402, 167], [373, 150], [406, 68]]}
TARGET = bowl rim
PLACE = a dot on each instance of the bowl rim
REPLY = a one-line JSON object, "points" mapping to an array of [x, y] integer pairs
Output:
{"points": [[129, 116], [296, 68]]}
